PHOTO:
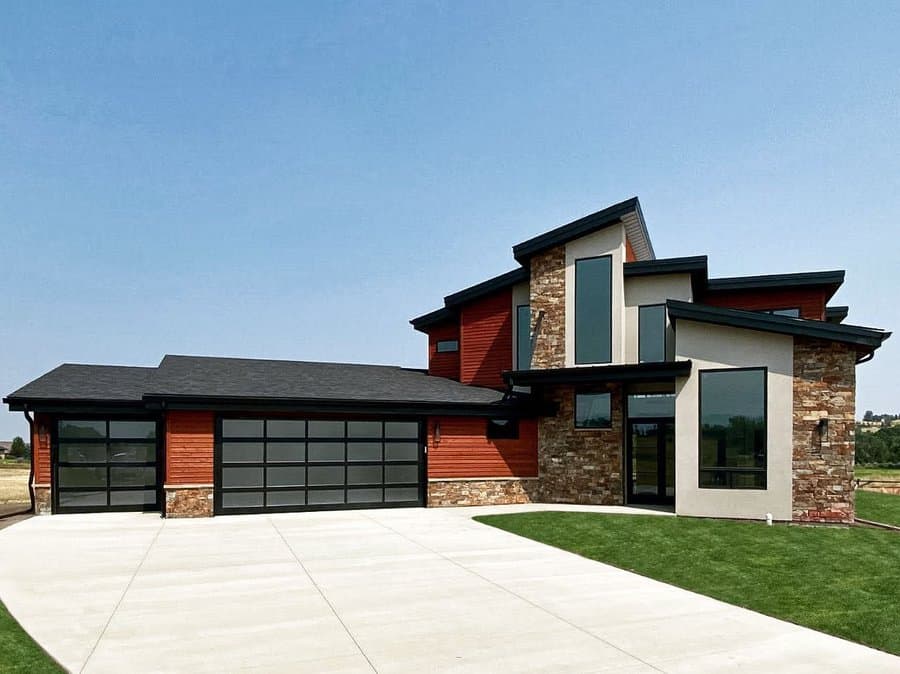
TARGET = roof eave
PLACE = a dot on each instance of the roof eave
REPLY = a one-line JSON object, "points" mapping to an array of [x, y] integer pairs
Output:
{"points": [[632, 372], [594, 222], [867, 338]]}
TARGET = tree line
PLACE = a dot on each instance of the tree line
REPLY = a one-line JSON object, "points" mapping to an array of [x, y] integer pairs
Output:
{"points": [[881, 448]]}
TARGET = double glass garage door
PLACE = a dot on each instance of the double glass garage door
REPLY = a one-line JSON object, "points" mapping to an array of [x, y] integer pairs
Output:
{"points": [[311, 464]]}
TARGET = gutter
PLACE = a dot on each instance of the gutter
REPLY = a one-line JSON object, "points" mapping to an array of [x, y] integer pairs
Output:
{"points": [[31, 462]]}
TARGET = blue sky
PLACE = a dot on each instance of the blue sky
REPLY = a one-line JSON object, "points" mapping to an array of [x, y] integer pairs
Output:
{"points": [[297, 180]]}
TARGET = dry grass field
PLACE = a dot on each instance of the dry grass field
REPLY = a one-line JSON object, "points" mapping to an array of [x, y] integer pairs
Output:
{"points": [[14, 485]]}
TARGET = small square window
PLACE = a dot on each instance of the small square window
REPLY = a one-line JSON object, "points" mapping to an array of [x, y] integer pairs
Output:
{"points": [[593, 410], [503, 429], [448, 346]]}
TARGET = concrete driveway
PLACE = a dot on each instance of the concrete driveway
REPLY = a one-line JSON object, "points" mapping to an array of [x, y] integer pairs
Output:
{"points": [[390, 591]]}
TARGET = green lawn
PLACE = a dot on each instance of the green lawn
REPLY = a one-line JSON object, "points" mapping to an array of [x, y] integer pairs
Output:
{"points": [[844, 581], [884, 508], [18, 652], [866, 473]]}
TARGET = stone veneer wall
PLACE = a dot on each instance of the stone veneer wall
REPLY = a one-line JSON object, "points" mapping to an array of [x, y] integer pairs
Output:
{"points": [[42, 500], [548, 309], [580, 465], [481, 491], [824, 388], [189, 501]]}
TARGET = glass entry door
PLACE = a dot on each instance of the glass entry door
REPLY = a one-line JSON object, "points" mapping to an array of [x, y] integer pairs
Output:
{"points": [[651, 461]]}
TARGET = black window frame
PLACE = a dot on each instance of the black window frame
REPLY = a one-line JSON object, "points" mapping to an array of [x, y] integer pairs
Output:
{"points": [[575, 423], [665, 333], [502, 429], [55, 463], [453, 349], [730, 472], [609, 359], [519, 362], [345, 463]]}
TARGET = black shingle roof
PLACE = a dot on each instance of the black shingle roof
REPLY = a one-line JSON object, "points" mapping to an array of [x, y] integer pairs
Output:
{"points": [[198, 377], [113, 383]]}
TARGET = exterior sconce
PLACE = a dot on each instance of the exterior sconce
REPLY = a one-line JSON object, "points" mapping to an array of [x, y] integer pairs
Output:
{"points": [[823, 428], [437, 432]]}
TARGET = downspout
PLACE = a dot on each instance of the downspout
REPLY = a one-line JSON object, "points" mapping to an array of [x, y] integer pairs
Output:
{"points": [[31, 462]]}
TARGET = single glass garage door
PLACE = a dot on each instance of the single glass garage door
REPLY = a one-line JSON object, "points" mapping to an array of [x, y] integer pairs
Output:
{"points": [[106, 464], [310, 464]]}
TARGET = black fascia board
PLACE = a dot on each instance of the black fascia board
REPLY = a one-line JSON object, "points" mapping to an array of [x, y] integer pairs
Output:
{"points": [[594, 222], [522, 406], [836, 314], [869, 338], [697, 266], [435, 317], [833, 278], [478, 290], [662, 371], [62, 405]]}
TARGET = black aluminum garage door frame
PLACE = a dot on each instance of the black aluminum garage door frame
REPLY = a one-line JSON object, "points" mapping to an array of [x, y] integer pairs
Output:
{"points": [[219, 489], [55, 464]]}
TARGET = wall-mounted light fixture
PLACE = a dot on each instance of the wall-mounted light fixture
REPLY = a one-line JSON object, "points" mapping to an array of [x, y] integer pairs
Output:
{"points": [[823, 428], [437, 432]]}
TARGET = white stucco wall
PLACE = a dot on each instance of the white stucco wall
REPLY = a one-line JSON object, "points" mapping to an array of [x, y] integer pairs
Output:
{"points": [[712, 347], [520, 295], [644, 290], [610, 241]]}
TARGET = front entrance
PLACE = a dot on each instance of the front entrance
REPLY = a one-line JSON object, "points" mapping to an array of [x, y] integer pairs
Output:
{"points": [[651, 461]]}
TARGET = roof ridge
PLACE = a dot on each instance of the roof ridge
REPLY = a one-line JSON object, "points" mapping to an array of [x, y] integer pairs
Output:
{"points": [[286, 360]]}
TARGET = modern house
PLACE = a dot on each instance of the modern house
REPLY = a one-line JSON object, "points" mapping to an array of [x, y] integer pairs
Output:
{"points": [[594, 372]]}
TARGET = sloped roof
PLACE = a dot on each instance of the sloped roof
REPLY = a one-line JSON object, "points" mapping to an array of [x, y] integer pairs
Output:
{"points": [[201, 377], [109, 383], [868, 339], [627, 212]]}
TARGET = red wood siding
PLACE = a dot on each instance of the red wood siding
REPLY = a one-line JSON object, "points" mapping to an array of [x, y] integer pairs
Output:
{"points": [[40, 443], [189, 448], [810, 301], [486, 340], [443, 364], [629, 252], [464, 450]]}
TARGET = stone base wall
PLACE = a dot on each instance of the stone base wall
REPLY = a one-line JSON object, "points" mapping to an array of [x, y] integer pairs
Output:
{"points": [[824, 389], [482, 491], [577, 465], [43, 500], [189, 501]]}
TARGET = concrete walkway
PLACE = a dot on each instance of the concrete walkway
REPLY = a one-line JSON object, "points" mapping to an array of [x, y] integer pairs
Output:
{"points": [[410, 590]]}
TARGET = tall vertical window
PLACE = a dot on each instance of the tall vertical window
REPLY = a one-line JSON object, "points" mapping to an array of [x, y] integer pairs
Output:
{"points": [[733, 429], [523, 337], [652, 333], [593, 310]]}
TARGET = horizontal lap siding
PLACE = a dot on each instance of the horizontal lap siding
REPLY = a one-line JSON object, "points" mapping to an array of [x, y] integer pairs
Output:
{"points": [[811, 302], [486, 340], [464, 450], [40, 443], [189, 447], [443, 364]]}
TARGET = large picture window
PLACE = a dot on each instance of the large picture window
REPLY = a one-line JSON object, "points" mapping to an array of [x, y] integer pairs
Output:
{"points": [[652, 333], [523, 337], [733, 429], [593, 310]]}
